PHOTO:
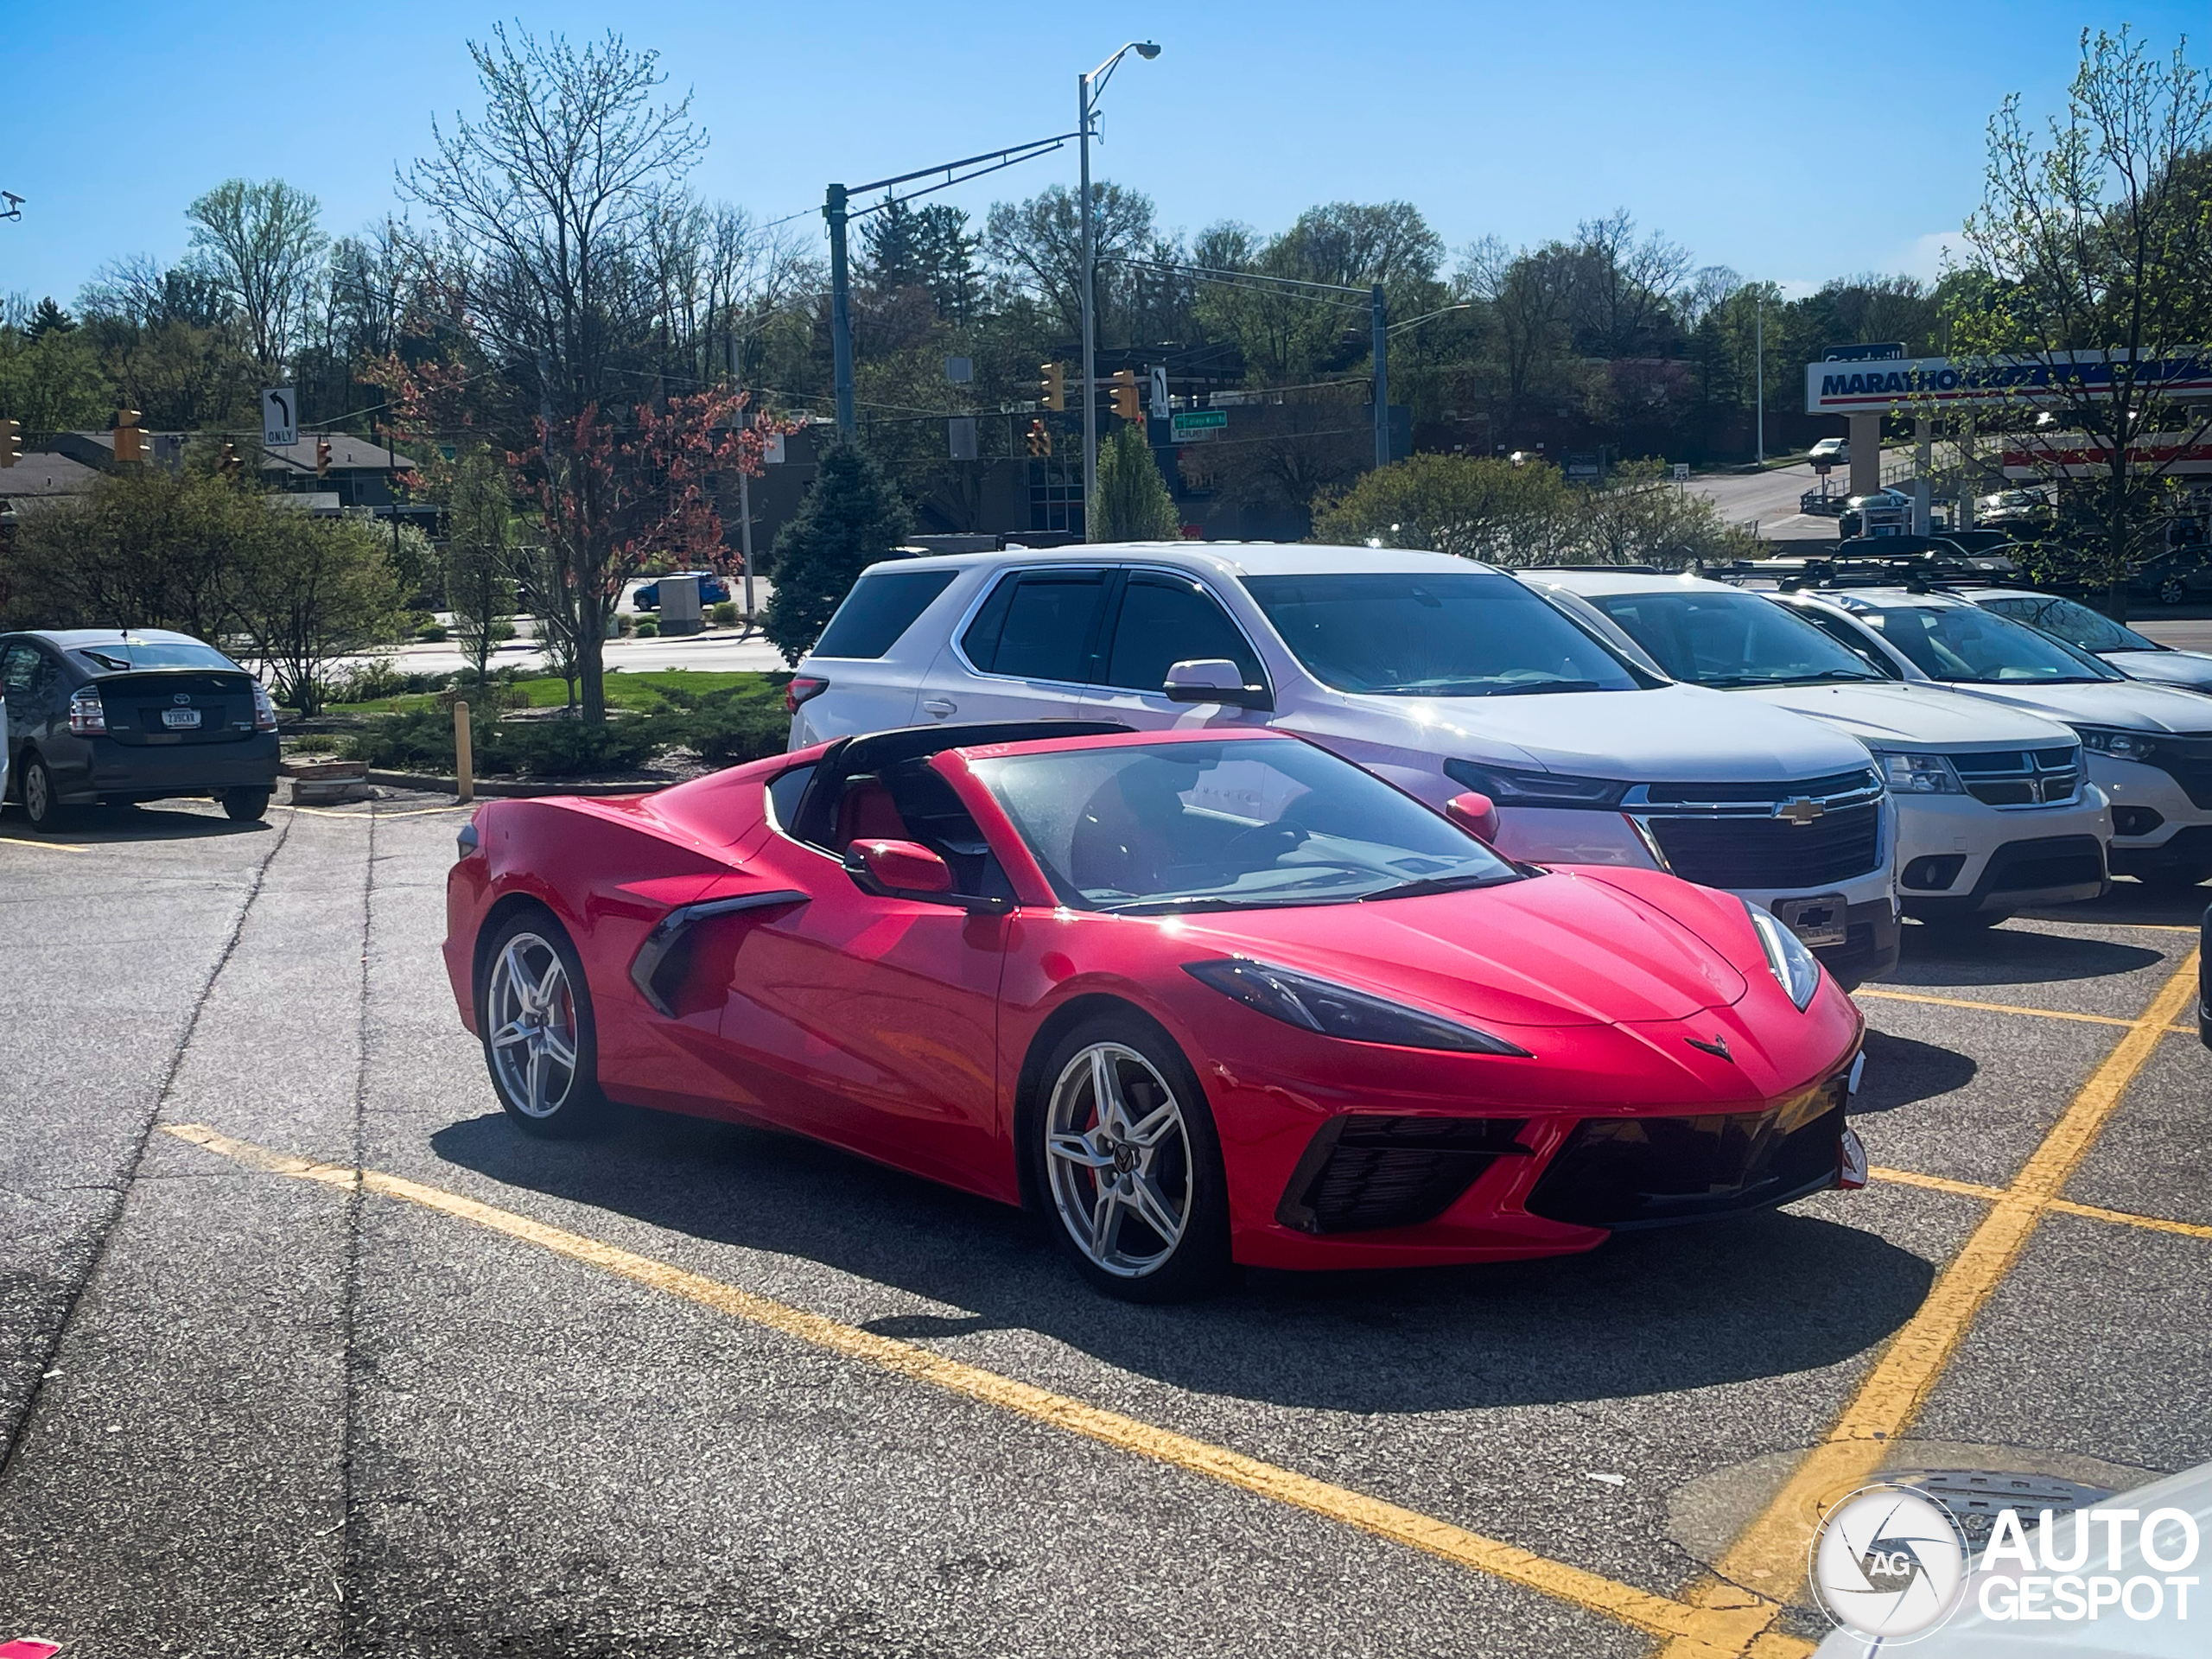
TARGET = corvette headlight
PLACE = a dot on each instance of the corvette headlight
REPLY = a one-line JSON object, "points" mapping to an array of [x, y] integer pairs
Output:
{"points": [[1794, 967], [1918, 774], [1510, 787], [1316, 1005], [2116, 742]]}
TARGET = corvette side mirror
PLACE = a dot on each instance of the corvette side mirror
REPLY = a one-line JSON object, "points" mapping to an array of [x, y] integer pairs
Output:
{"points": [[900, 867], [1476, 813], [1213, 679]]}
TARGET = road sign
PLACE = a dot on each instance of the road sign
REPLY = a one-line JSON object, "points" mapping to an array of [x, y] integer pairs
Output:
{"points": [[1160, 404], [1681, 472], [771, 449], [1583, 466], [960, 437], [280, 416], [1887, 351], [1196, 425]]}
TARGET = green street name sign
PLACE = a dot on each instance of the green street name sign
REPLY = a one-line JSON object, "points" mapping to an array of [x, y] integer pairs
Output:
{"points": [[1191, 424]]}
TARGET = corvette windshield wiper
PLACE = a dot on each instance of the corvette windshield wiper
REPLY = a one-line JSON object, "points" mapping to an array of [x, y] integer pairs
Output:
{"points": [[1439, 884], [1222, 902]]}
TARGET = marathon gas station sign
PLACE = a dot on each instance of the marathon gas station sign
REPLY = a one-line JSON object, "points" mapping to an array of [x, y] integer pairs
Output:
{"points": [[1873, 387]]}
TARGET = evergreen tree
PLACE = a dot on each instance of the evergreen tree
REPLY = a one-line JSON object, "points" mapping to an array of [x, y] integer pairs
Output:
{"points": [[851, 519], [50, 319], [1132, 504]]}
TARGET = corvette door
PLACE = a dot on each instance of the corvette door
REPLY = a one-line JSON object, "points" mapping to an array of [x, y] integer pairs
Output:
{"points": [[870, 1021]]}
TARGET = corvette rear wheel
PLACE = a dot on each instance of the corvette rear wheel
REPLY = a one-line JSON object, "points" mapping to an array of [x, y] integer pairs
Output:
{"points": [[1126, 1150], [538, 1037]]}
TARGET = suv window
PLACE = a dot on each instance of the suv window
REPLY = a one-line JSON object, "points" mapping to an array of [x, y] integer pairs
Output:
{"points": [[1846, 635], [1168, 620], [1038, 624], [879, 609]]}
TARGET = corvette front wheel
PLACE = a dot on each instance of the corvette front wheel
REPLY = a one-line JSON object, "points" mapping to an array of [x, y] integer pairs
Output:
{"points": [[539, 1041], [1126, 1155]]}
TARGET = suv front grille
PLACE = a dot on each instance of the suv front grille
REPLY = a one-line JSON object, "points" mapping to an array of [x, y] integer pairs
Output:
{"points": [[2021, 777], [1745, 852], [1365, 1170]]}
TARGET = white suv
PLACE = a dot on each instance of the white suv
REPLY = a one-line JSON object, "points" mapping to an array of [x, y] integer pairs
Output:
{"points": [[1995, 811], [2150, 745], [1440, 674]]}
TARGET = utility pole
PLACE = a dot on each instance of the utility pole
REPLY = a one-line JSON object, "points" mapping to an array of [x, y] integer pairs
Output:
{"points": [[744, 490], [1379, 317], [1090, 331], [1758, 349], [840, 313]]}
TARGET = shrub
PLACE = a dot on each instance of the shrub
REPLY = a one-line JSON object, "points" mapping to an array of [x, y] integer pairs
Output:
{"points": [[727, 728], [542, 748], [431, 633], [648, 628], [315, 743], [724, 615], [372, 682]]}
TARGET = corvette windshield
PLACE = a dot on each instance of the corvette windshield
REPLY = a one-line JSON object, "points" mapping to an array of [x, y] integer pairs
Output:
{"points": [[1155, 829], [1730, 639], [1967, 645], [1426, 634]]}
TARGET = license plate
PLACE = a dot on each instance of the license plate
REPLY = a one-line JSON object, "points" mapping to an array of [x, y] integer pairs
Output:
{"points": [[1815, 921], [180, 720]]}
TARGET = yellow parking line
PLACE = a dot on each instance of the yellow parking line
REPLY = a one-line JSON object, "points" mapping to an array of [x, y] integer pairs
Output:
{"points": [[1993, 1007], [48, 846], [1769, 1556], [1709, 1631], [1995, 1194], [1938, 1182]]}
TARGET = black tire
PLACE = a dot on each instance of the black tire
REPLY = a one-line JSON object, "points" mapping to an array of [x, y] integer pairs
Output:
{"points": [[528, 1095], [2173, 591], [247, 805], [1180, 1169], [42, 806]]}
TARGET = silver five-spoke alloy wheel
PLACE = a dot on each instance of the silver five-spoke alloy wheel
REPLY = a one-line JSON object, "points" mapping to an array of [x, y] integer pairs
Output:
{"points": [[533, 1014], [1119, 1157]]}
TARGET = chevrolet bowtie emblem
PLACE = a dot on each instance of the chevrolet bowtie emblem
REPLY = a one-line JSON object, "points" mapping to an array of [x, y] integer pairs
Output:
{"points": [[1800, 810], [1718, 1046]]}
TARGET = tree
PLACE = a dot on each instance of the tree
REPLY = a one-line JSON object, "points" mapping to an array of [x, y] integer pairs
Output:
{"points": [[851, 519], [143, 548], [1477, 507], [480, 586], [1037, 245], [309, 591], [2096, 236], [263, 245], [50, 319], [551, 196], [1132, 503]]}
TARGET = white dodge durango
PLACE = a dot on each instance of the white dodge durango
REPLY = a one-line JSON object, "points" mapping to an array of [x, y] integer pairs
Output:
{"points": [[1439, 674]]}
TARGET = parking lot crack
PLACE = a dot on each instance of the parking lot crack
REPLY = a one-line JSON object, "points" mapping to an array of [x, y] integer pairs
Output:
{"points": [[12, 1436], [351, 1614]]}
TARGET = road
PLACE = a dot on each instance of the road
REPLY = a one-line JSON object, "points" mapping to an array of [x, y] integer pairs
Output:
{"points": [[692, 1391], [1769, 499]]}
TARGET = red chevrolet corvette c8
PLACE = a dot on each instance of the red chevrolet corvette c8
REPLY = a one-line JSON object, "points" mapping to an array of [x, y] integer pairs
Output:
{"points": [[1195, 997]]}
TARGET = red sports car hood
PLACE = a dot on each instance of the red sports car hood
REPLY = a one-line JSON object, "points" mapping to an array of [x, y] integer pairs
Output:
{"points": [[1557, 949]]}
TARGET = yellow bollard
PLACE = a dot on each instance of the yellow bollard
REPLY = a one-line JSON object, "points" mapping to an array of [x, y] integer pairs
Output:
{"points": [[463, 759]]}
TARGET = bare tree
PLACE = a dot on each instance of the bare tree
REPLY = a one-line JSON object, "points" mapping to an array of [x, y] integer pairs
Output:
{"points": [[262, 244], [2092, 254], [553, 195]]}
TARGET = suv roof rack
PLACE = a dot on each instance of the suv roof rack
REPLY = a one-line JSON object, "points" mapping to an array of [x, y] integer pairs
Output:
{"points": [[1600, 569], [1915, 573]]}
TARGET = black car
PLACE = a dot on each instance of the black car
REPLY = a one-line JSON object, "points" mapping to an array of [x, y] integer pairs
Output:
{"points": [[110, 715]]}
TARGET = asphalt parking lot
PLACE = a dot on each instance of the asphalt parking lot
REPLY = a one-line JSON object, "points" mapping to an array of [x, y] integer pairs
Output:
{"points": [[302, 1350]]}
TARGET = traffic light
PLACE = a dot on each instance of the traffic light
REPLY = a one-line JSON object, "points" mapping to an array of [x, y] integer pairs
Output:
{"points": [[1125, 395], [11, 442], [1055, 385], [229, 464], [1040, 440], [322, 457], [130, 441]]}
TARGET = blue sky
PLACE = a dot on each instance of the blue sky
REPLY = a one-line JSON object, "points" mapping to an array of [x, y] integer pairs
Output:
{"points": [[1792, 142]]}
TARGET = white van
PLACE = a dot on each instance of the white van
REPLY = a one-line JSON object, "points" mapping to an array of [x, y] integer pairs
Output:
{"points": [[1995, 810], [1440, 674]]}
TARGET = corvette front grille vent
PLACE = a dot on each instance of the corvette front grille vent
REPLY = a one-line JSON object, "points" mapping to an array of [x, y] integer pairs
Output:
{"points": [[1364, 1171]]}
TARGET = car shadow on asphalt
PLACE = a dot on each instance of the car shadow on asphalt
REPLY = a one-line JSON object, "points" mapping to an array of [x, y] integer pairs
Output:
{"points": [[1903, 1069], [1937, 957], [1646, 1313], [103, 825], [2131, 901]]}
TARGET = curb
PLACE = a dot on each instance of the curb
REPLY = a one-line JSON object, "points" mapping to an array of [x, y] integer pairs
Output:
{"points": [[495, 789]]}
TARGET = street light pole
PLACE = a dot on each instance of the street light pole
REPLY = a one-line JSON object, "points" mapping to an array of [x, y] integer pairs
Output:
{"points": [[840, 316], [1758, 350], [1380, 320], [1087, 88]]}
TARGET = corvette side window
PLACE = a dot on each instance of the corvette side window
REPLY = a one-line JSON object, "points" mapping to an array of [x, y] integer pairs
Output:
{"points": [[783, 795]]}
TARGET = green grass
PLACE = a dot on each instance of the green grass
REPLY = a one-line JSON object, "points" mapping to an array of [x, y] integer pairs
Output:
{"points": [[640, 693]]}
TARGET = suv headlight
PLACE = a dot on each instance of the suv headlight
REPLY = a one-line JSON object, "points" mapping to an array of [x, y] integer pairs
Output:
{"points": [[2116, 741], [1917, 774], [1316, 1005], [1794, 967], [1507, 787]]}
